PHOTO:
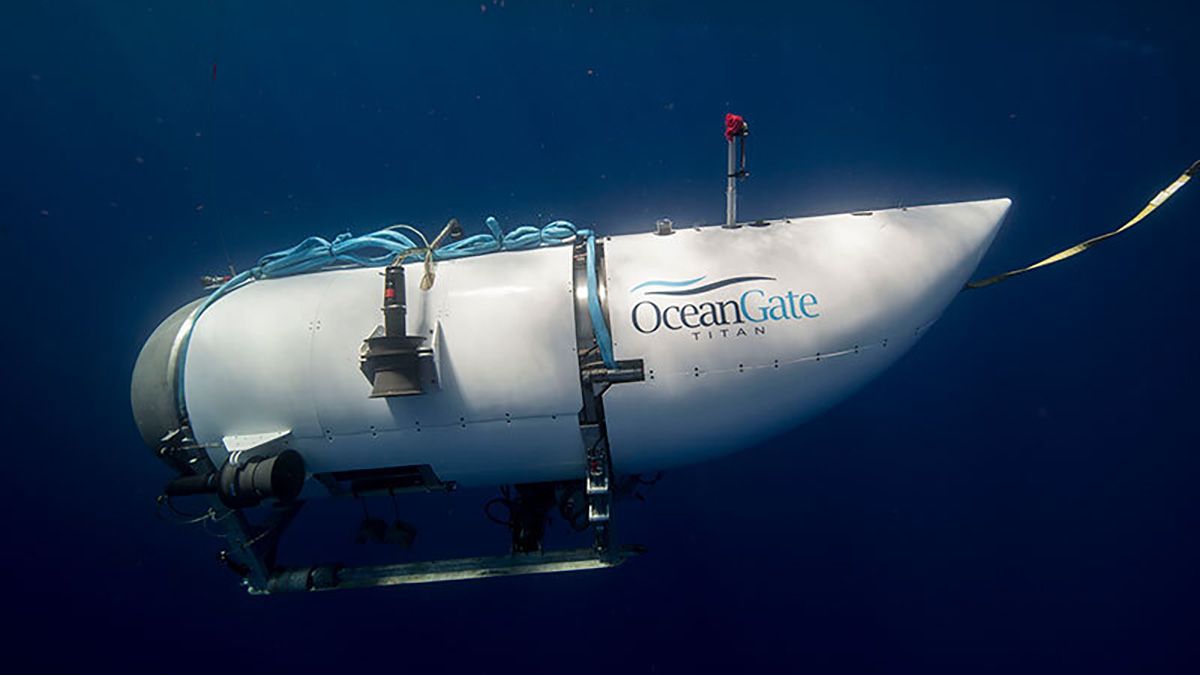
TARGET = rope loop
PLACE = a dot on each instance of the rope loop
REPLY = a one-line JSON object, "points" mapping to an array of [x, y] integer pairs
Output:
{"points": [[383, 247]]}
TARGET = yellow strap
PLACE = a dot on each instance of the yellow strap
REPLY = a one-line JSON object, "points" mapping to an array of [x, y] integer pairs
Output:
{"points": [[1080, 248]]}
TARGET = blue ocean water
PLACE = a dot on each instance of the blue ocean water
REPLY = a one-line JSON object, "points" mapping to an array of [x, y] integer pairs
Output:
{"points": [[1016, 495]]}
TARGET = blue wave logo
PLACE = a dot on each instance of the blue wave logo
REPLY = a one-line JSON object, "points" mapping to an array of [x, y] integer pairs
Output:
{"points": [[680, 287]]}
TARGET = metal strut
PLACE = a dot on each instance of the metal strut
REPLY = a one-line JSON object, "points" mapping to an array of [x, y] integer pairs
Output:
{"points": [[250, 550], [595, 377]]}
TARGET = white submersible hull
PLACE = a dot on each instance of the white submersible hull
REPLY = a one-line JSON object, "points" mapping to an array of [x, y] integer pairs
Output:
{"points": [[733, 335], [553, 370]]}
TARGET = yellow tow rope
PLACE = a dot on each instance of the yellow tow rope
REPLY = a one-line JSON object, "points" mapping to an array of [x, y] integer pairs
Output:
{"points": [[1081, 247]]}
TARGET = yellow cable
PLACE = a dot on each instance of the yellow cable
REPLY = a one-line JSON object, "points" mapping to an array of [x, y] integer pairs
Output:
{"points": [[1081, 247]]}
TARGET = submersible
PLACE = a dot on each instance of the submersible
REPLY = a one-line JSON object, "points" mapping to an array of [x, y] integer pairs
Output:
{"points": [[556, 368]]}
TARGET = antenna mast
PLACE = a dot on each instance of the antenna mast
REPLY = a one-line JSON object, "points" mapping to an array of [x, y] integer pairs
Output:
{"points": [[736, 131]]}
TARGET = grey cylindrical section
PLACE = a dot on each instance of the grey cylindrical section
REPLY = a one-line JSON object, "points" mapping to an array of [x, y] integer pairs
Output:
{"points": [[152, 392], [731, 185]]}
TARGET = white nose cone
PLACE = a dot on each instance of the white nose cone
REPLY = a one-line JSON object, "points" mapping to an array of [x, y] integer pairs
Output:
{"points": [[906, 264], [747, 332]]}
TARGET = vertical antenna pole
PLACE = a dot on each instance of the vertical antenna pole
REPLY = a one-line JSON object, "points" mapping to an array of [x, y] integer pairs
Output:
{"points": [[731, 184], [736, 130]]}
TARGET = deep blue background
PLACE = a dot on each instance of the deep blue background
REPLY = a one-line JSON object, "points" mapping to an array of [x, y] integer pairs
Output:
{"points": [[1017, 494]]}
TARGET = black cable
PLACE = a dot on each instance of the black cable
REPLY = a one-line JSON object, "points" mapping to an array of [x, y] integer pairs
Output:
{"points": [[487, 511], [210, 136], [181, 517], [741, 172]]}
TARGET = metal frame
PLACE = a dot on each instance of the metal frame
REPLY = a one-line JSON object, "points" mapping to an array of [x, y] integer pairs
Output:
{"points": [[333, 577], [251, 548]]}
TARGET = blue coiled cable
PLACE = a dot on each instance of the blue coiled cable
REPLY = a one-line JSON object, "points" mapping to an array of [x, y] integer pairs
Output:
{"points": [[383, 246]]}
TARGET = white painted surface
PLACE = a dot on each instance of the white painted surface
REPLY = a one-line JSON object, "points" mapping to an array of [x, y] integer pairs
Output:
{"points": [[284, 354], [877, 280]]}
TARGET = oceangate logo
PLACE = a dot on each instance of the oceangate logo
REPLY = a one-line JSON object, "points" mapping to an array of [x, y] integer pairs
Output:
{"points": [[745, 315]]}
